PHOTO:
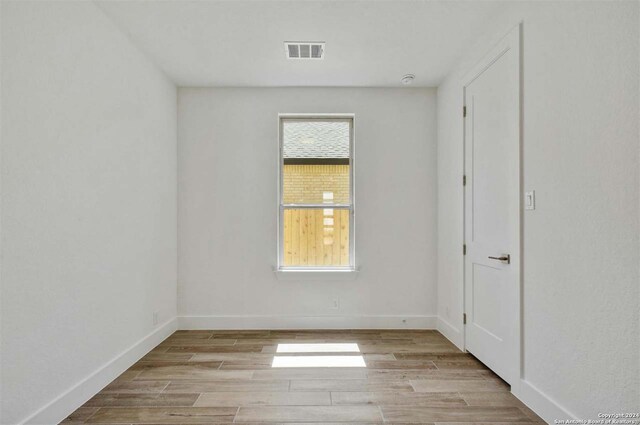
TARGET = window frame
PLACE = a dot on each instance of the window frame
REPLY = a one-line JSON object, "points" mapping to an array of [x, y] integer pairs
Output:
{"points": [[282, 118]]}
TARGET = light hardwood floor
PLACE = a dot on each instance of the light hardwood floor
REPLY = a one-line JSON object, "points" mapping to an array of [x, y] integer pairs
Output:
{"points": [[218, 377]]}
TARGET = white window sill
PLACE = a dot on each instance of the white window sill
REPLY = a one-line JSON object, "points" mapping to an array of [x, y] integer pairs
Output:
{"points": [[316, 274]]}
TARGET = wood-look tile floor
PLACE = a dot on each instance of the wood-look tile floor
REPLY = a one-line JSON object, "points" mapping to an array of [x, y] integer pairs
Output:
{"points": [[224, 377]]}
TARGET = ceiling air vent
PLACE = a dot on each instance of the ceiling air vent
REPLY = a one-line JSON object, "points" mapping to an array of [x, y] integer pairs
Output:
{"points": [[304, 50]]}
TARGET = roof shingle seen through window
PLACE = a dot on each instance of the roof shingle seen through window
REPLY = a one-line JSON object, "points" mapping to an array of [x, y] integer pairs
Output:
{"points": [[316, 139]]}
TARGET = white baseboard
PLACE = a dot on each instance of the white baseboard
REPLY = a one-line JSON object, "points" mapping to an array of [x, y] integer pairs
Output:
{"points": [[450, 332], [307, 322], [544, 406], [63, 405]]}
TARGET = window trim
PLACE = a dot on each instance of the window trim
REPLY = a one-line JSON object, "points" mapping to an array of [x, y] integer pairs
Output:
{"points": [[281, 269]]}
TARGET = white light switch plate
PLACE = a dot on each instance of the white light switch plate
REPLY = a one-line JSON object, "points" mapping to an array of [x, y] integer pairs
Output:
{"points": [[530, 200]]}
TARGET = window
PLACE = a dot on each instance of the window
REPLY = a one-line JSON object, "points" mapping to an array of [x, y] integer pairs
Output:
{"points": [[316, 193]]}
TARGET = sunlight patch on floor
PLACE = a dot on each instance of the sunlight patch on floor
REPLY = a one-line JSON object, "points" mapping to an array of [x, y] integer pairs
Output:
{"points": [[318, 348], [318, 355], [318, 361]]}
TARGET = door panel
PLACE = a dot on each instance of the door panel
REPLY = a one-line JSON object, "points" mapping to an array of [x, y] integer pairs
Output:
{"points": [[486, 315], [492, 209]]}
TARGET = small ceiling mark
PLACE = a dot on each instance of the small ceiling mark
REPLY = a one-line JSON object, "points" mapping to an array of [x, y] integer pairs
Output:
{"points": [[408, 79]]}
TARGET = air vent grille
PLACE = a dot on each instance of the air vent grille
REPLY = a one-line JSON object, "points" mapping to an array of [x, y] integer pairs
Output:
{"points": [[304, 50]]}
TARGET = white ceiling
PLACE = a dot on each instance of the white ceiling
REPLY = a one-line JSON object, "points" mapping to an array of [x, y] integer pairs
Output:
{"points": [[240, 43]]}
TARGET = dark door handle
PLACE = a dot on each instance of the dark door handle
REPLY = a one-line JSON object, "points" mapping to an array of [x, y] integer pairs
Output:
{"points": [[504, 258]]}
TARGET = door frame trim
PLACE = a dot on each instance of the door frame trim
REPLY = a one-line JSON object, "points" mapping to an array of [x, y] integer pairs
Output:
{"points": [[507, 42]]}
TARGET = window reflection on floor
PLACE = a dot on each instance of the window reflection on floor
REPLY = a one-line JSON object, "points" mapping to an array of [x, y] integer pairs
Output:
{"points": [[314, 358], [318, 361], [319, 348]]}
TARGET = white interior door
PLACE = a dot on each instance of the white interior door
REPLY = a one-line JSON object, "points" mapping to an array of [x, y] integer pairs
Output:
{"points": [[492, 209]]}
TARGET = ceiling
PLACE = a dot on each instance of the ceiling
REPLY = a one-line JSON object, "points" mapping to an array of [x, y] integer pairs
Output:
{"points": [[241, 43]]}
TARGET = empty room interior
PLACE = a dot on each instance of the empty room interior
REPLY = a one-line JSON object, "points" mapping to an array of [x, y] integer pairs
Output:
{"points": [[329, 212]]}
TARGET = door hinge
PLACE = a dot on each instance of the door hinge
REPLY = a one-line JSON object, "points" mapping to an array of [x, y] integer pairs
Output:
{"points": [[464, 249], [464, 318], [464, 180], [464, 112]]}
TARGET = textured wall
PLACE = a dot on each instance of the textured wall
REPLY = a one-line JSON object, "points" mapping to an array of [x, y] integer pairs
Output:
{"points": [[581, 254], [89, 199], [228, 208]]}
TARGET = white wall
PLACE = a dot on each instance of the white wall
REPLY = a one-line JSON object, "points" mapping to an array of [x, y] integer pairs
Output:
{"points": [[227, 162], [581, 244], [89, 205]]}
